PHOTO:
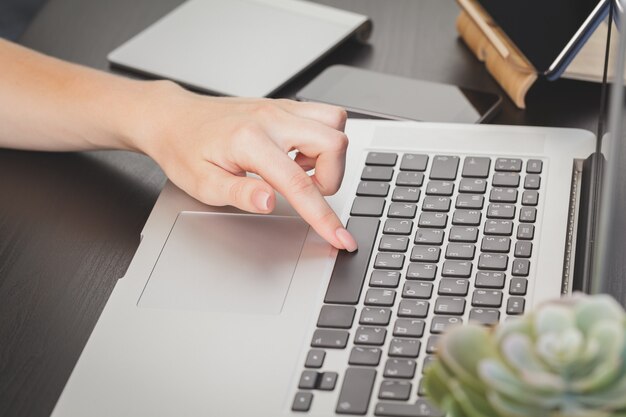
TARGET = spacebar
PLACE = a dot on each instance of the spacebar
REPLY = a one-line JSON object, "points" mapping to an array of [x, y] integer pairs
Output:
{"points": [[350, 268]]}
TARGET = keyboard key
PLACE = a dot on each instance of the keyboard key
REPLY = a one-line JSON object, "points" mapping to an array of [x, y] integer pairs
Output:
{"points": [[429, 237], [373, 189], [501, 211], [402, 210], [422, 290], [485, 316], [393, 244], [379, 297], [395, 390], [413, 162], [505, 179], [508, 165], [530, 198], [398, 227], [528, 214], [525, 231], [520, 267], [440, 324], [523, 249], [315, 358], [434, 203], [368, 206], [308, 380], [469, 201], [385, 279], [381, 158], [356, 390], [532, 182], [389, 261], [375, 316], [499, 227], [493, 262], [431, 347], [349, 272], [534, 166], [515, 306], [518, 286], [451, 286], [374, 173], [404, 348], [445, 188], [486, 279], [476, 167], [415, 179], [474, 186], [464, 234], [425, 254], [372, 336], [413, 308], [503, 195], [496, 244], [457, 269], [327, 381], [450, 305], [408, 328], [365, 356], [464, 251], [421, 408], [421, 271], [444, 167], [302, 402], [434, 220], [326, 338], [487, 298], [336, 317], [466, 217], [406, 194], [400, 368]]}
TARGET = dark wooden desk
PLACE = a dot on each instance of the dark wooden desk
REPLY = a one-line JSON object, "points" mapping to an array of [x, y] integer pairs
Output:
{"points": [[70, 223]]}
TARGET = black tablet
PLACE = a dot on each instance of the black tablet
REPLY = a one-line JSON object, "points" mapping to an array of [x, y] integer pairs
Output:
{"points": [[548, 32]]}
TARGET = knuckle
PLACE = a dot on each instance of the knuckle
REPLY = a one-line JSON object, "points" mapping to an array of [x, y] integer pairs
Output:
{"points": [[236, 193], [300, 183], [265, 109], [327, 216], [340, 143]]}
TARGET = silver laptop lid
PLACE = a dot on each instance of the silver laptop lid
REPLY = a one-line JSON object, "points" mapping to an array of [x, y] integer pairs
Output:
{"points": [[609, 259]]}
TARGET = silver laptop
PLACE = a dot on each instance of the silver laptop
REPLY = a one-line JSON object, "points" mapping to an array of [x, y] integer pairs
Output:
{"points": [[246, 48], [224, 313]]}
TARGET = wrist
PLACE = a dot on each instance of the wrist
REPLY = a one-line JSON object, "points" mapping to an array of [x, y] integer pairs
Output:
{"points": [[144, 114]]}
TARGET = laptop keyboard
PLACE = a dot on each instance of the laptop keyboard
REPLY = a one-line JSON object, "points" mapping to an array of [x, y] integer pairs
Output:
{"points": [[442, 239]]}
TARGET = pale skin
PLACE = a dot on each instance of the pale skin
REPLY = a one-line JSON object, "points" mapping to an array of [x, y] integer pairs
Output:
{"points": [[205, 145]]}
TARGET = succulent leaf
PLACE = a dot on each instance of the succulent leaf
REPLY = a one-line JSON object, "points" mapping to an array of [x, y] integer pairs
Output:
{"points": [[566, 359]]}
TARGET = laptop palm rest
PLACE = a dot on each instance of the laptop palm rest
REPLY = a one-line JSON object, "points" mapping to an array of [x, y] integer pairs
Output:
{"points": [[224, 262]]}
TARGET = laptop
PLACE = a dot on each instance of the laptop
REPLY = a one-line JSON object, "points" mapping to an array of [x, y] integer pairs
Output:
{"points": [[246, 48], [224, 313]]}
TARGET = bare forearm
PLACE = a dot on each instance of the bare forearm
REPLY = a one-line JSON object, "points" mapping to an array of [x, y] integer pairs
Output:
{"points": [[48, 104]]}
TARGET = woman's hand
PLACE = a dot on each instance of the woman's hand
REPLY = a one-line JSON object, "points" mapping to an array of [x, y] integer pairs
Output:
{"points": [[207, 145]]}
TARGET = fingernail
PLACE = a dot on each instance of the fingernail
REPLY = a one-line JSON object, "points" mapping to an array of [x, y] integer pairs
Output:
{"points": [[261, 200], [346, 239]]}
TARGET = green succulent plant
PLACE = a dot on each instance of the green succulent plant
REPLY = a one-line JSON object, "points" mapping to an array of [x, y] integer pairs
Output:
{"points": [[565, 359]]}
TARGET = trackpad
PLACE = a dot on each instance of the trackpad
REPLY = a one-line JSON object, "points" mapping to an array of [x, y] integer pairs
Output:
{"points": [[226, 262]]}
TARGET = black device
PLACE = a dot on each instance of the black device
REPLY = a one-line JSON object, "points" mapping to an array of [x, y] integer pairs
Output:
{"points": [[393, 97], [549, 33]]}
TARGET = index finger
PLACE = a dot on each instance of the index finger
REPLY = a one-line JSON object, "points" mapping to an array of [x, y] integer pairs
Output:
{"points": [[289, 179]]}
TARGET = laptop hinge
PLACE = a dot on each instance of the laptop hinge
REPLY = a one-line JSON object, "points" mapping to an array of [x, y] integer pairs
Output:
{"points": [[580, 224]]}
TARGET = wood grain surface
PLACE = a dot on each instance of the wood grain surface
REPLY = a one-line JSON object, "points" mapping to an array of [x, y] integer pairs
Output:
{"points": [[70, 223]]}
